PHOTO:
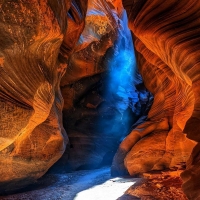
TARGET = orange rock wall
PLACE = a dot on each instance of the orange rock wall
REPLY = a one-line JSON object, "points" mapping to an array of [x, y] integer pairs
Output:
{"points": [[32, 137], [40, 41], [166, 38]]}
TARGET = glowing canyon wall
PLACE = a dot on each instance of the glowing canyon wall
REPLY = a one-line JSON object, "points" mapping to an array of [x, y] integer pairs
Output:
{"points": [[82, 52], [166, 38], [32, 137]]}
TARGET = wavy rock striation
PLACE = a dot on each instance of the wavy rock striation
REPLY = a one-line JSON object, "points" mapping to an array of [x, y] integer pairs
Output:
{"points": [[166, 38], [32, 137], [40, 40]]}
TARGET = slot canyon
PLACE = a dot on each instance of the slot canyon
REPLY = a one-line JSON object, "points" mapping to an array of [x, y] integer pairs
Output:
{"points": [[99, 97]]}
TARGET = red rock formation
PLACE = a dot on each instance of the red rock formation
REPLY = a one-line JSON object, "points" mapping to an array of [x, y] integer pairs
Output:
{"points": [[32, 137], [157, 185], [37, 47], [166, 38]]}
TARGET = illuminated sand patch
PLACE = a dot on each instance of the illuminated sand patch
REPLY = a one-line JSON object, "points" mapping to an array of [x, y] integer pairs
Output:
{"points": [[80, 185]]}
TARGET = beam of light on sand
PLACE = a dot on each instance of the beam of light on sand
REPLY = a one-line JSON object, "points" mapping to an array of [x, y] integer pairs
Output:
{"points": [[109, 190]]}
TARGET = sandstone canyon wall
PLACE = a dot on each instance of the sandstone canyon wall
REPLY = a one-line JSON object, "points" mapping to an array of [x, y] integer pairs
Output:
{"points": [[166, 38], [40, 41], [32, 137], [89, 46]]}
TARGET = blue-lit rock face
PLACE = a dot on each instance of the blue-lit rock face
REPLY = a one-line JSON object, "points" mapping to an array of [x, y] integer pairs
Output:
{"points": [[118, 88], [102, 107]]}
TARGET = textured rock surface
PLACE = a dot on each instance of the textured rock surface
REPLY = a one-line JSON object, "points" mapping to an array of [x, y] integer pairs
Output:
{"points": [[32, 137], [147, 153], [166, 38], [155, 186], [41, 39], [38, 44]]}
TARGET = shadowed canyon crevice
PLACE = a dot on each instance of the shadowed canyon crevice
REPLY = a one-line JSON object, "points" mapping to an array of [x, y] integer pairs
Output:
{"points": [[79, 91]]}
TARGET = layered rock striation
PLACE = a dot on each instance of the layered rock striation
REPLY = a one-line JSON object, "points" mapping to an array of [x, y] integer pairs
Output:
{"points": [[89, 46], [166, 39], [32, 137]]}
